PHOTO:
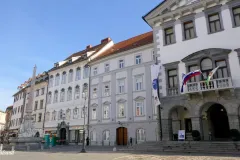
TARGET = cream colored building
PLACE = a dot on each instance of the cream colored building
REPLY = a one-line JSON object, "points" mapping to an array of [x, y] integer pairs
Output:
{"points": [[2, 121]]}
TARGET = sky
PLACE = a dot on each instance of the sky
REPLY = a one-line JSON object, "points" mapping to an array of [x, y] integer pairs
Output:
{"points": [[47, 31]]}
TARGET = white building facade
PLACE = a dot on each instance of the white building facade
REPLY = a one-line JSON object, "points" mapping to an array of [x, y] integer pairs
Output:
{"points": [[2, 121], [68, 89], [121, 103], [191, 35]]}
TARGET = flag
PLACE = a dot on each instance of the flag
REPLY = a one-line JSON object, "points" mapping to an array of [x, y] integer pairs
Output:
{"points": [[188, 76], [210, 75], [155, 86]]}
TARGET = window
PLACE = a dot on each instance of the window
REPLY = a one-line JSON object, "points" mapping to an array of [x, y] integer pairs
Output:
{"points": [[106, 111], [191, 69], [36, 105], [106, 135], [139, 108], [206, 67], [37, 92], [54, 113], [70, 76], [154, 56], [41, 104], [51, 81], [34, 117], [85, 90], [86, 72], [94, 113], [57, 78], [121, 84], [39, 117], [62, 95], [106, 90], [94, 92], [68, 114], [95, 71], [60, 115], [49, 99], [22, 108], [107, 67], [64, 77], [78, 74], [69, 94], [169, 36], [77, 92], [83, 112], [138, 59], [121, 109], [75, 113], [214, 23], [18, 109], [55, 98], [121, 63], [42, 91], [189, 32], [47, 116], [172, 79], [222, 70], [236, 16], [140, 135], [93, 135], [139, 83]]}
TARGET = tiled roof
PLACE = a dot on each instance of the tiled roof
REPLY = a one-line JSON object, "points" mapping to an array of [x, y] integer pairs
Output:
{"points": [[134, 42]]}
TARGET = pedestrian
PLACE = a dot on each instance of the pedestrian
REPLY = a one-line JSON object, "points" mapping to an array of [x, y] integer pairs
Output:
{"points": [[87, 141]]}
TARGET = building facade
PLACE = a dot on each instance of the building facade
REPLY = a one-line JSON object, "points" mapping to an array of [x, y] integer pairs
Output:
{"points": [[191, 35], [8, 117], [68, 89], [121, 103], [2, 122]]}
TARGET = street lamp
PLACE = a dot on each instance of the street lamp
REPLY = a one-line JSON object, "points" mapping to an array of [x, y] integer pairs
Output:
{"points": [[84, 95]]}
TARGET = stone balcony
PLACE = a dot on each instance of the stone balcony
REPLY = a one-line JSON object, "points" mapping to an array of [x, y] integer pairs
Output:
{"points": [[214, 85]]}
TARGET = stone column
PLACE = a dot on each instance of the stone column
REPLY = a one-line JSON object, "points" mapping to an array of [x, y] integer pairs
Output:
{"points": [[233, 121], [166, 129]]}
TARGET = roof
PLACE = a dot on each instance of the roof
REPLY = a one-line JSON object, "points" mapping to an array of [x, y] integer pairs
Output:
{"points": [[134, 42]]}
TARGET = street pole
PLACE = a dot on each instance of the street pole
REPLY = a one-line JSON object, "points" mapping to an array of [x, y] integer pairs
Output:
{"points": [[84, 113]]}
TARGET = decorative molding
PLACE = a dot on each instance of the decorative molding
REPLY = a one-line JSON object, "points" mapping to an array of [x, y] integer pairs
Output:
{"points": [[121, 101], [139, 98], [94, 105], [106, 103]]}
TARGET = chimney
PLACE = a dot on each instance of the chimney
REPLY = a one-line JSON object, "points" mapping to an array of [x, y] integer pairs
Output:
{"points": [[89, 46], [106, 40]]}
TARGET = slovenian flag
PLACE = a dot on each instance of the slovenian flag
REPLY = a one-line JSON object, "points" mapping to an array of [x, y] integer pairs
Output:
{"points": [[210, 75], [188, 76]]}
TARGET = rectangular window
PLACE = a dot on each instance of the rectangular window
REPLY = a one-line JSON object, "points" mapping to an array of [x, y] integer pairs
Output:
{"points": [[86, 72], [172, 79], [36, 105], [121, 63], [169, 36], [42, 91], [222, 70], [39, 117], [106, 90], [37, 92], [94, 92], [121, 110], [121, 84], [139, 109], [83, 113], [138, 59], [105, 111], [94, 113], [41, 104], [95, 71], [236, 16], [214, 23], [107, 67], [189, 30], [139, 83], [191, 69]]}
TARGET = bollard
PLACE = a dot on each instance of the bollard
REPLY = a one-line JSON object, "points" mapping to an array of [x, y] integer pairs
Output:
{"points": [[13, 148], [28, 147], [1, 147]]}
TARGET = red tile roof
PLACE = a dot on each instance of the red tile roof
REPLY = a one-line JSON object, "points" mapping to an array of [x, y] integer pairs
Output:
{"points": [[134, 42]]}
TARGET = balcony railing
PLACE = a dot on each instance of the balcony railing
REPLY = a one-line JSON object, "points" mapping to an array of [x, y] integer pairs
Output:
{"points": [[173, 91], [215, 84]]}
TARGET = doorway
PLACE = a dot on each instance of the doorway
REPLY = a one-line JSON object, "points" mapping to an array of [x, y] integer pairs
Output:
{"points": [[63, 135], [219, 122], [122, 136]]}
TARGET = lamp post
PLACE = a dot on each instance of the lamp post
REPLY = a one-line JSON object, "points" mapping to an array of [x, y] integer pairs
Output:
{"points": [[84, 115]]}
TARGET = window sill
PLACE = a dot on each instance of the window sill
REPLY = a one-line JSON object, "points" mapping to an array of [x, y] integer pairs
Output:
{"points": [[106, 118], [140, 90], [190, 38], [121, 117], [169, 44], [216, 31], [140, 116]]}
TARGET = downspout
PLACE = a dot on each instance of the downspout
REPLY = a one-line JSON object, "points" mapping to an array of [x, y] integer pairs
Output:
{"points": [[45, 103], [89, 80]]}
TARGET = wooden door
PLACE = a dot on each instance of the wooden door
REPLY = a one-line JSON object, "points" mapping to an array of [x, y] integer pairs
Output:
{"points": [[122, 137]]}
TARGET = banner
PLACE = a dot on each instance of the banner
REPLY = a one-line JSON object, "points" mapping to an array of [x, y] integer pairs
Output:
{"points": [[181, 134], [155, 86]]}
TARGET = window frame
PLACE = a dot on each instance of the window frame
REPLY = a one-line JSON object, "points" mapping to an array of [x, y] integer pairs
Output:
{"points": [[62, 95], [105, 92], [95, 117], [123, 87], [105, 135], [106, 116], [142, 106], [107, 67], [57, 79], [136, 83], [121, 64], [232, 5], [138, 61], [64, 77], [95, 71], [68, 91], [119, 111], [70, 75], [78, 74]]}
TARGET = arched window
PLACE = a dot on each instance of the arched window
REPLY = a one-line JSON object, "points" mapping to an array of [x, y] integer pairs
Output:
{"points": [[141, 135], [68, 114], [60, 114], [57, 79], [93, 135], [106, 110], [77, 92], [55, 98], [85, 90], [64, 77], [51, 81], [76, 113], [49, 100], [78, 73], [70, 76], [106, 135], [86, 72], [206, 67], [69, 94], [62, 95], [54, 115]]}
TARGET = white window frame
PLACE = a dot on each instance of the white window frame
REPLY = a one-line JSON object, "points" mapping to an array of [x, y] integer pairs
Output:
{"points": [[54, 114], [137, 105], [121, 88], [95, 92], [57, 79], [62, 95], [138, 85], [106, 111], [68, 114], [106, 135], [64, 77], [107, 67], [121, 63], [75, 113], [94, 116], [78, 74], [69, 94], [119, 110], [77, 92], [70, 75], [95, 71], [141, 135], [55, 97], [106, 91], [138, 60]]}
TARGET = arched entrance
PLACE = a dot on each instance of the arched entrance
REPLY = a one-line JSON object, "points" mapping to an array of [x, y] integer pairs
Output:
{"points": [[215, 122], [122, 136], [63, 134]]}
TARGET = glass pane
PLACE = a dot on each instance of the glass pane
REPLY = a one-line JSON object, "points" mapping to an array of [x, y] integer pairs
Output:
{"points": [[213, 17], [169, 30], [172, 72], [167, 39], [218, 26], [188, 25], [221, 63], [236, 10], [212, 27], [170, 82], [192, 34], [219, 73], [206, 64], [172, 38], [175, 81], [237, 20], [225, 73]]}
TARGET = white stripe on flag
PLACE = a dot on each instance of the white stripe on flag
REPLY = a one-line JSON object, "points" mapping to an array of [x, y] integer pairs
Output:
{"points": [[154, 76]]}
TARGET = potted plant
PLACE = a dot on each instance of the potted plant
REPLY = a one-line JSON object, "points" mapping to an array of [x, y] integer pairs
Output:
{"points": [[196, 135], [235, 134]]}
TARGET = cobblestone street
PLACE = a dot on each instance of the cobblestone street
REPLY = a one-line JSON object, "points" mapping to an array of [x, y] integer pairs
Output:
{"points": [[107, 156]]}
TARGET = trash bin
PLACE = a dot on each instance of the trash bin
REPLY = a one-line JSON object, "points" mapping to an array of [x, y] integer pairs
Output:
{"points": [[47, 140], [53, 140]]}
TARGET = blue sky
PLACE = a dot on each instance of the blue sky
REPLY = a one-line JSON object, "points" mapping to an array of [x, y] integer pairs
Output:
{"points": [[46, 31]]}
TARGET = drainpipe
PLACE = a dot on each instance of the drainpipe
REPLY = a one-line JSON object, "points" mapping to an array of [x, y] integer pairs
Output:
{"points": [[45, 108], [89, 80]]}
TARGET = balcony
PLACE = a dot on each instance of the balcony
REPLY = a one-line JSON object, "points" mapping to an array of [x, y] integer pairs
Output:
{"points": [[215, 84]]}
